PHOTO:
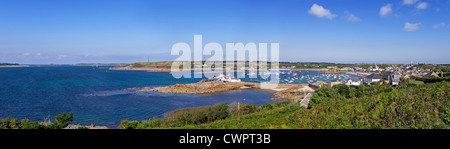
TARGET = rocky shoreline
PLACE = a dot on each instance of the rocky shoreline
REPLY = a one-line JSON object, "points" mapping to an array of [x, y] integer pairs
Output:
{"points": [[198, 88], [14, 66], [77, 126], [283, 91]]}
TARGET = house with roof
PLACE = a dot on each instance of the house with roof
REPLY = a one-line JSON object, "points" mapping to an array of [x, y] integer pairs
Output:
{"points": [[374, 68], [373, 78], [395, 78], [334, 82], [392, 77], [427, 75], [354, 81], [347, 69]]}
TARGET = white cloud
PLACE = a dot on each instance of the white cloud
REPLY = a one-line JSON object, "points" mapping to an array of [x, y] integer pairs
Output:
{"points": [[436, 26], [411, 27], [91, 56], [32, 56], [321, 12], [409, 2], [350, 17], [41, 56], [422, 5], [61, 56], [386, 9]]}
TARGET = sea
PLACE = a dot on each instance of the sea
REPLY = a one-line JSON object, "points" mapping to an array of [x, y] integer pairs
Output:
{"points": [[104, 97]]}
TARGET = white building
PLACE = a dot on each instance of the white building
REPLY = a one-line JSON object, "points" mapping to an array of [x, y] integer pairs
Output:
{"points": [[375, 68], [373, 78], [392, 77], [354, 81], [224, 78], [347, 69]]}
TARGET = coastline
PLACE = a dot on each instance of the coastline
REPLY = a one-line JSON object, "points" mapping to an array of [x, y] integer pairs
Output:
{"points": [[14, 66], [282, 91], [193, 69], [141, 69], [307, 69], [78, 126], [349, 72]]}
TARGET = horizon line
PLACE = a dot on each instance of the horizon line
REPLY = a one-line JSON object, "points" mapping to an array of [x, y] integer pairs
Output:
{"points": [[224, 61]]}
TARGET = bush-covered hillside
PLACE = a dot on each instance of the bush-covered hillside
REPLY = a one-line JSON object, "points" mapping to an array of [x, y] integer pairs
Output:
{"points": [[380, 106]]}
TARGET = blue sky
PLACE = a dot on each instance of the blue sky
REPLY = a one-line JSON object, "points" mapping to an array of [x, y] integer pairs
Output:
{"points": [[343, 31]]}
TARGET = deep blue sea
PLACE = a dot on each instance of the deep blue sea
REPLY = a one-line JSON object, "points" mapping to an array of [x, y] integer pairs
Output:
{"points": [[96, 94], [104, 97]]}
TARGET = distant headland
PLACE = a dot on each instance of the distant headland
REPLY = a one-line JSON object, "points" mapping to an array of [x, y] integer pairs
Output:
{"points": [[12, 65]]}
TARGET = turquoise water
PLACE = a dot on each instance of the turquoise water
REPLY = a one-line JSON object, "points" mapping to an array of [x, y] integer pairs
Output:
{"points": [[96, 94]]}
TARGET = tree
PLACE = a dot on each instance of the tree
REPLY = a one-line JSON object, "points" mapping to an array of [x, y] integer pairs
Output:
{"points": [[343, 90], [220, 111], [126, 124], [325, 95], [62, 120]]}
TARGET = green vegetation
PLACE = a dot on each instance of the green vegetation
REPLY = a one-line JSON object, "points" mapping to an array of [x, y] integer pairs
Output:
{"points": [[415, 83], [295, 65], [82, 127], [283, 65], [313, 65], [423, 107], [181, 117], [435, 67], [200, 115], [342, 92], [61, 121], [410, 105], [437, 79], [418, 106], [167, 65]]}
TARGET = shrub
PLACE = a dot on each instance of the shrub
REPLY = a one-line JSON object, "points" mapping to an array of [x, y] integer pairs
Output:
{"points": [[324, 95], [126, 124], [9, 123], [268, 106], [31, 125], [282, 103], [342, 89], [62, 120], [12, 123], [220, 111], [82, 127]]}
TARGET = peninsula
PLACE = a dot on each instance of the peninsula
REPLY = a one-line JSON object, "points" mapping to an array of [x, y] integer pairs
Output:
{"points": [[12, 65]]}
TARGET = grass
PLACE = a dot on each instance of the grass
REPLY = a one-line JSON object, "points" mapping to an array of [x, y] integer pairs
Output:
{"points": [[416, 82]]}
